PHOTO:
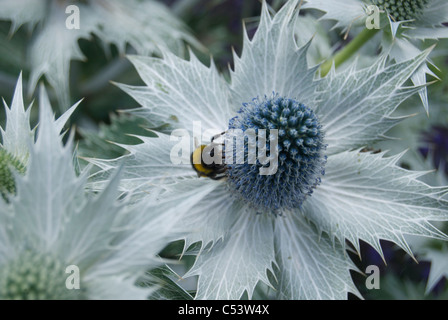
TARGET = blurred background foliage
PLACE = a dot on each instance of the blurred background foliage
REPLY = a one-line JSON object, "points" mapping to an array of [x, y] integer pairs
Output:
{"points": [[218, 25]]}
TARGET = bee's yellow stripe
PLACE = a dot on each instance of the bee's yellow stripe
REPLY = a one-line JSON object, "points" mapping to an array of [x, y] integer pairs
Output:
{"points": [[196, 161]]}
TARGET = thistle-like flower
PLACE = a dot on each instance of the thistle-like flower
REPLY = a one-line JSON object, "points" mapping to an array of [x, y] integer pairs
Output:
{"points": [[291, 222], [146, 25], [55, 241], [405, 24]]}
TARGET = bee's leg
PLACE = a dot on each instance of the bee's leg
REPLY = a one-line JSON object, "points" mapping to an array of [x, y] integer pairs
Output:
{"points": [[221, 170], [217, 177], [217, 136]]}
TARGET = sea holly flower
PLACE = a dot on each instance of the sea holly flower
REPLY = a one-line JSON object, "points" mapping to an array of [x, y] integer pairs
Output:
{"points": [[146, 25], [406, 23], [288, 228], [17, 138], [57, 242]]}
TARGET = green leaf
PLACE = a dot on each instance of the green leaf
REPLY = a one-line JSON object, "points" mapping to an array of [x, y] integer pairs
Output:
{"points": [[122, 129], [167, 280]]}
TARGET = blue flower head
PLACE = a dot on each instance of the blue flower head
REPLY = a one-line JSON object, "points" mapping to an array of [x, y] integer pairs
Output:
{"points": [[402, 10], [298, 153]]}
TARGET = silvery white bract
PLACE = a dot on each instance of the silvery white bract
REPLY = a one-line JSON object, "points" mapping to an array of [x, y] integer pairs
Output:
{"points": [[18, 135], [299, 233], [408, 22], [55, 241], [146, 25]]}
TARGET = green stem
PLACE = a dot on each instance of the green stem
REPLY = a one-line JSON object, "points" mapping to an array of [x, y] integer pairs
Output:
{"points": [[346, 52]]}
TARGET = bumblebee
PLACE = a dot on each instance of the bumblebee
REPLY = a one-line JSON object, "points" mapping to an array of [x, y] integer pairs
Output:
{"points": [[215, 171]]}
